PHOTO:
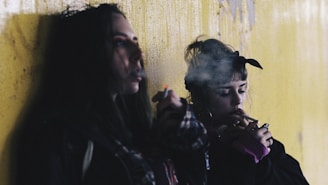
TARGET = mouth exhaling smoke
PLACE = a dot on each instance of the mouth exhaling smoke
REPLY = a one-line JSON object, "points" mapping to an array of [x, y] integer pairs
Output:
{"points": [[138, 73]]}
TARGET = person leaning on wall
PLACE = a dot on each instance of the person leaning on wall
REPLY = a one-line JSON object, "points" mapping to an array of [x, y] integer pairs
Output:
{"points": [[91, 121], [241, 150]]}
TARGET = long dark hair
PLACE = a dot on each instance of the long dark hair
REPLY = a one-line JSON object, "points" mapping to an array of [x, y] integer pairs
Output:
{"points": [[77, 75]]}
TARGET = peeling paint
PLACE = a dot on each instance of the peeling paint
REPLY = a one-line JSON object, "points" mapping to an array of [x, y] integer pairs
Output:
{"points": [[237, 6]]}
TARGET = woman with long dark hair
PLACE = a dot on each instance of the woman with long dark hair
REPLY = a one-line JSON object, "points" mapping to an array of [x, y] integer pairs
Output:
{"points": [[91, 121]]}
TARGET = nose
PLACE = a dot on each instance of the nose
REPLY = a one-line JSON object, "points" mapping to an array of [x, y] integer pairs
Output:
{"points": [[236, 99], [136, 52]]}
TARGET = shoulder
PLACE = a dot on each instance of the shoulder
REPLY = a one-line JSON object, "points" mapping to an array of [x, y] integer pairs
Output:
{"points": [[278, 152], [53, 130]]}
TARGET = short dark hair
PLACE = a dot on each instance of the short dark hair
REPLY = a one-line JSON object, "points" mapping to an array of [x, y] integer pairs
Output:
{"points": [[210, 62]]}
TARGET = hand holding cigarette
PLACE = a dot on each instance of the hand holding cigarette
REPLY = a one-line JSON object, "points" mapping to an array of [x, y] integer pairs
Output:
{"points": [[167, 98], [161, 95], [241, 114], [249, 119], [262, 134]]}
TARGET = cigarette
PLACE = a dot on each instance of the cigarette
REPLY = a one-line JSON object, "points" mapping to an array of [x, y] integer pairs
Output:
{"points": [[166, 90], [249, 118]]}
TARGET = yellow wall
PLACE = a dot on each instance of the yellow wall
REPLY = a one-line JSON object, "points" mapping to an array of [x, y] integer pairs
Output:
{"points": [[289, 37]]}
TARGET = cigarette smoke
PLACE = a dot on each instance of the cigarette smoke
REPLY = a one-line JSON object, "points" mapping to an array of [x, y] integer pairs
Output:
{"points": [[209, 71], [141, 73]]}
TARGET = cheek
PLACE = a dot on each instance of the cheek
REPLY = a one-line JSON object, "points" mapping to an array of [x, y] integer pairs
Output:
{"points": [[119, 66], [221, 104], [219, 109]]}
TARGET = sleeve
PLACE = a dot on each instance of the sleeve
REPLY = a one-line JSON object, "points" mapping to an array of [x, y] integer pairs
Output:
{"points": [[186, 145], [229, 166], [189, 134]]}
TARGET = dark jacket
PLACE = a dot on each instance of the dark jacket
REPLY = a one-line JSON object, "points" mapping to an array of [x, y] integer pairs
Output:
{"points": [[53, 152], [230, 167]]}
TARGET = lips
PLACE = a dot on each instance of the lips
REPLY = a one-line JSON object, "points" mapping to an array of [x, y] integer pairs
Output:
{"points": [[138, 79], [237, 111], [135, 75]]}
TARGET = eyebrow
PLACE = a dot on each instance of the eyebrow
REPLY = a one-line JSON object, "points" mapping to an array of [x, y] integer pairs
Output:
{"points": [[227, 87], [125, 35]]}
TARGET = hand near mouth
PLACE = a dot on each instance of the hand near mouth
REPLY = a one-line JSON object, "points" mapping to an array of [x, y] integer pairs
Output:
{"points": [[240, 118]]}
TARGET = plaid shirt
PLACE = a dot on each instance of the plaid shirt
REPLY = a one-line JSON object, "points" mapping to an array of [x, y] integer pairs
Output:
{"points": [[190, 135]]}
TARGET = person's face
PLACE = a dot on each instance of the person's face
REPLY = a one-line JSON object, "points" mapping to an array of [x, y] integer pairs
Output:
{"points": [[127, 56], [227, 98]]}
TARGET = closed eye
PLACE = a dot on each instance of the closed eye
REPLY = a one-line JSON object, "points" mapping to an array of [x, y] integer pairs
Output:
{"points": [[222, 92], [241, 91]]}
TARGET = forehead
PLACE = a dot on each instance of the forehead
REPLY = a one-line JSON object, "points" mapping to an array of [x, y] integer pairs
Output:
{"points": [[230, 84], [225, 77], [234, 83], [121, 25]]}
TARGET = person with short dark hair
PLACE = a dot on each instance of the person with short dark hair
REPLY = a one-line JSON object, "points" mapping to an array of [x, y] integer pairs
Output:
{"points": [[241, 150]]}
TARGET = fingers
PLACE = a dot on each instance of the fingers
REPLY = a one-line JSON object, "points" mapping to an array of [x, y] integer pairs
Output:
{"points": [[235, 121], [241, 118], [270, 141], [171, 100], [252, 127], [264, 135], [169, 109], [157, 97]]}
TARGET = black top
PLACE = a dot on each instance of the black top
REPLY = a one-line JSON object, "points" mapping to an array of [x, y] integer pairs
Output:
{"points": [[230, 167]]}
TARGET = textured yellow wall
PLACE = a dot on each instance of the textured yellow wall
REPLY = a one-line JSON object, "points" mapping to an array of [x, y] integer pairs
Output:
{"points": [[291, 37], [288, 37]]}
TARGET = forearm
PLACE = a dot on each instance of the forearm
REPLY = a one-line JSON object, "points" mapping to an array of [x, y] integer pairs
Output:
{"points": [[189, 135]]}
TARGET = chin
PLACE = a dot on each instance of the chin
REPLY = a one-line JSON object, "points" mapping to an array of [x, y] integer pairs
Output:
{"points": [[131, 90], [135, 91]]}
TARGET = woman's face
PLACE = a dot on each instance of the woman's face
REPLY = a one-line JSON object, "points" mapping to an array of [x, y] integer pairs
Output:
{"points": [[127, 56], [227, 98]]}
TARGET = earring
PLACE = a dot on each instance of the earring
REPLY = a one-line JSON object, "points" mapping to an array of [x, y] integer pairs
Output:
{"points": [[210, 114]]}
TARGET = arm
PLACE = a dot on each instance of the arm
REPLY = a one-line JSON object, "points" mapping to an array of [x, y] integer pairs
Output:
{"points": [[250, 159], [176, 126], [183, 138], [280, 168], [230, 166]]}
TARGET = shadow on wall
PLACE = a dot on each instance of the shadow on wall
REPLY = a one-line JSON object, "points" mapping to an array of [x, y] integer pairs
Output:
{"points": [[24, 38]]}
